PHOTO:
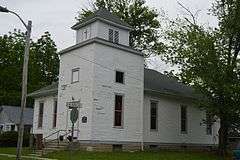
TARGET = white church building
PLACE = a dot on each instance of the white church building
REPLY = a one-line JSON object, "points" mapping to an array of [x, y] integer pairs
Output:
{"points": [[122, 104]]}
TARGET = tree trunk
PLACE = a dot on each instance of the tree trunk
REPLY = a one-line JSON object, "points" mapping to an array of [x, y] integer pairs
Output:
{"points": [[223, 137]]}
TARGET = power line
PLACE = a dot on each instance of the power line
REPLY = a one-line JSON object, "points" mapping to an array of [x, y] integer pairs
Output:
{"points": [[93, 62]]}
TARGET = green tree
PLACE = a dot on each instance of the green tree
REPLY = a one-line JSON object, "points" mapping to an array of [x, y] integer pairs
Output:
{"points": [[209, 60], [143, 19], [43, 65]]}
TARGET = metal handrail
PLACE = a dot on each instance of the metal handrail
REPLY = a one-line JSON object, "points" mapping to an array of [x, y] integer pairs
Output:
{"points": [[57, 132], [53, 133]]}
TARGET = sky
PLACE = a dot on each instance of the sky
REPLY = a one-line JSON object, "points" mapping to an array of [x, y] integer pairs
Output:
{"points": [[57, 17]]}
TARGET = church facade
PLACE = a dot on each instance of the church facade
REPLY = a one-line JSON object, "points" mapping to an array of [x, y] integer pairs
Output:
{"points": [[120, 102]]}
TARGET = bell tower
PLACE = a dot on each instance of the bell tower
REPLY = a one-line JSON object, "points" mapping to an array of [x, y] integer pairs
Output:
{"points": [[105, 25]]}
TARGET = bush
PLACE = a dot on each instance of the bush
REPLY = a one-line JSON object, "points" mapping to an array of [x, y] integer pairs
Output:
{"points": [[9, 139]]}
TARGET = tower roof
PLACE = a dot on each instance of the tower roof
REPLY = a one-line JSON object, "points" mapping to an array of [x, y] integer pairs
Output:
{"points": [[105, 16]]}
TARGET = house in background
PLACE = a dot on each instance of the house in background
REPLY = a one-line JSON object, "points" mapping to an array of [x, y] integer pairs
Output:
{"points": [[10, 118], [123, 104]]}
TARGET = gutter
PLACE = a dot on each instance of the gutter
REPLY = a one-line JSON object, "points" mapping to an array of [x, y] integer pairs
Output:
{"points": [[101, 41], [168, 94]]}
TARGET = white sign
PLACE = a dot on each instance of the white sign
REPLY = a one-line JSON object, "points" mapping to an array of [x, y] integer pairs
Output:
{"points": [[74, 104]]}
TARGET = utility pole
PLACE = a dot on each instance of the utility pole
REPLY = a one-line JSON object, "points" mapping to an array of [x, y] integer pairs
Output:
{"points": [[24, 90], [24, 80]]}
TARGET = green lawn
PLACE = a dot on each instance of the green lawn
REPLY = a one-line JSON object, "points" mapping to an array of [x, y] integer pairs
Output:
{"points": [[12, 150], [81, 155], [161, 155]]}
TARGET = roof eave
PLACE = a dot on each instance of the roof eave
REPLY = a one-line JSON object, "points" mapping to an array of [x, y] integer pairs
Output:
{"points": [[146, 90], [79, 25], [43, 93], [101, 41]]}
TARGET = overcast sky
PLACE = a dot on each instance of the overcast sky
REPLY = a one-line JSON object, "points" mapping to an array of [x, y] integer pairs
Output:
{"points": [[57, 16]]}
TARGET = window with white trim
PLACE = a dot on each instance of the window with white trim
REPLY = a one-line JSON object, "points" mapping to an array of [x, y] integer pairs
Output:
{"points": [[12, 127], [208, 123], [153, 115], [54, 113], [116, 37], [119, 77], [110, 35], [113, 36], [118, 111], [183, 119], [40, 115], [75, 75], [8, 127]]}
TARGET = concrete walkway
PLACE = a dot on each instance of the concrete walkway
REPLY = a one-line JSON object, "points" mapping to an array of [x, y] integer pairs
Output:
{"points": [[25, 157]]}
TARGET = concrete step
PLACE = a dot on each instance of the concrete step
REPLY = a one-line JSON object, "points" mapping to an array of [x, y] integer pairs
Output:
{"points": [[51, 148], [35, 154], [55, 148], [56, 144]]}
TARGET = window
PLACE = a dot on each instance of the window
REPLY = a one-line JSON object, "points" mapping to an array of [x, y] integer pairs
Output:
{"points": [[208, 124], [184, 119], [153, 147], [75, 75], [55, 114], [84, 119], [12, 127], [118, 116], [116, 37], [113, 36], [40, 115], [110, 35], [153, 114], [119, 77], [117, 147], [8, 127]]}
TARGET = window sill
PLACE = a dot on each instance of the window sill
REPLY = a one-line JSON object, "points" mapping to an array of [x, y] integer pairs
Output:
{"points": [[120, 83], [184, 132], [153, 130], [74, 82], [118, 127]]}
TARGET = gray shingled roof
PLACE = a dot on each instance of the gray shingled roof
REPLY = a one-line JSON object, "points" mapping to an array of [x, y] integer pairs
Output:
{"points": [[45, 91], [154, 82], [157, 82], [102, 15], [12, 115]]}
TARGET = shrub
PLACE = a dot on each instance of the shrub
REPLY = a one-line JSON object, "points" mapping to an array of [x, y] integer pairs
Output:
{"points": [[9, 139]]}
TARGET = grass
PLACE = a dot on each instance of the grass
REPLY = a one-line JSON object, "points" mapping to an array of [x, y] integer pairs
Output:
{"points": [[81, 155], [160, 155], [12, 150]]}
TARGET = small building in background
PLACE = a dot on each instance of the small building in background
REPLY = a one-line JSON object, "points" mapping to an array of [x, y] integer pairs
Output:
{"points": [[10, 118]]}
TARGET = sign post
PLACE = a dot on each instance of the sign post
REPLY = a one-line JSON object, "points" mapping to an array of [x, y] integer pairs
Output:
{"points": [[74, 105], [73, 118]]}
